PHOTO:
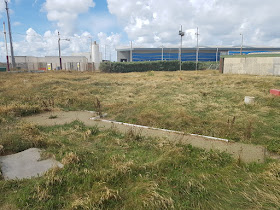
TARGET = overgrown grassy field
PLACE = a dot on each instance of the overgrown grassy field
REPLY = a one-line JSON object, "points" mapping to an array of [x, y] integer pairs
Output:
{"points": [[110, 170], [205, 103]]}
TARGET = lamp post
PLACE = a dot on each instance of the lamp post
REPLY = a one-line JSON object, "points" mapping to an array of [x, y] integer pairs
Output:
{"points": [[217, 52], [91, 58], [197, 49], [59, 50], [181, 33], [242, 39], [90, 37]]}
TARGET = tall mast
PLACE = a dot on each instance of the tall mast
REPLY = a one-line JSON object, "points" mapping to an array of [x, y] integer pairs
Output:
{"points": [[7, 53], [10, 35]]}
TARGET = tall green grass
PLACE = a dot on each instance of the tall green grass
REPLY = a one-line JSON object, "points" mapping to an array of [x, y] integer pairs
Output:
{"points": [[110, 170]]}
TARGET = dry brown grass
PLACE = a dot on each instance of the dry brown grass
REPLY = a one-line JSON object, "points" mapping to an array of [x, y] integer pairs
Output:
{"points": [[203, 103], [70, 158]]}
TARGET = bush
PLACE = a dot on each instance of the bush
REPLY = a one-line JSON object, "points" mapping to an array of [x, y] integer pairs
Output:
{"points": [[126, 67], [105, 67]]}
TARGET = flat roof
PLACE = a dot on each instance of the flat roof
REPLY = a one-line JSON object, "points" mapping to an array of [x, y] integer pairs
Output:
{"points": [[222, 48], [252, 55]]}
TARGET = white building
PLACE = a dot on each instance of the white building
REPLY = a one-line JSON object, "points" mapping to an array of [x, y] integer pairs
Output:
{"points": [[85, 54], [95, 56], [69, 63]]}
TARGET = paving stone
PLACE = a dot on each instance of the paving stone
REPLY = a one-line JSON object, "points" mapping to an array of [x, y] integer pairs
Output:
{"points": [[26, 164]]}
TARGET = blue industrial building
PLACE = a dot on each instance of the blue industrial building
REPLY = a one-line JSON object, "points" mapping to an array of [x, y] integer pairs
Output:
{"points": [[188, 54]]}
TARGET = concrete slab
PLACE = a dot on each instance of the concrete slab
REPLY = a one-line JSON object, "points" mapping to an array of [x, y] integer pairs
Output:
{"points": [[26, 164]]}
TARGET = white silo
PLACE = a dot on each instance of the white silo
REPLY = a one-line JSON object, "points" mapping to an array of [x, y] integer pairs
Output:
{"points": [[96, 55]]}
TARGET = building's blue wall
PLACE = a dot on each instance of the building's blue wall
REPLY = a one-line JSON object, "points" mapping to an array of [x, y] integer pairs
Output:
{"points": [[245, 52], [186, 56], [174, 56]]}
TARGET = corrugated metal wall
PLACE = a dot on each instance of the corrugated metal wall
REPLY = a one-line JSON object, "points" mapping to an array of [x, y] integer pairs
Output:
{"points": [[174, 56]]}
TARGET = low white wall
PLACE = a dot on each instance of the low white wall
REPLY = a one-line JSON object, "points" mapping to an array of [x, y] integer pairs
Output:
{"points": [[252, 65], [78, 63]]}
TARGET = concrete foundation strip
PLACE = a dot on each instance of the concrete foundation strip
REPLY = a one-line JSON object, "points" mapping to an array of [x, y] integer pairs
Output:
{"points": [[244, 152], [158, 129]]}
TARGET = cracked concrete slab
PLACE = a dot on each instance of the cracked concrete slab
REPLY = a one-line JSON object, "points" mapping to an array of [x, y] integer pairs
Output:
{"points": [[26, 165]]}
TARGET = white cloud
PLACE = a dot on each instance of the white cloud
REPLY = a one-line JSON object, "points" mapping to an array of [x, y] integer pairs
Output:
{"points": [[110, 43], [98, 22], [16, 23], [34, 2], [3, 8], [3, 5], [152, 23], [38, 45], [66, 12]]}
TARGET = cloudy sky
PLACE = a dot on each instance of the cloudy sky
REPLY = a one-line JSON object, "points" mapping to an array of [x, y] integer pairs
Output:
{"points": [[148, 23]]}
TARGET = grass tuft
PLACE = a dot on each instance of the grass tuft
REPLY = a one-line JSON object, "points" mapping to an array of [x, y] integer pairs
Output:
{"points": [[70, 158]]}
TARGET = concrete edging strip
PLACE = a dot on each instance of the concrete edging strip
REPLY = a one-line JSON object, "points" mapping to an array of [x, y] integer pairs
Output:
{"points": [[159, 129], [244, 152]]}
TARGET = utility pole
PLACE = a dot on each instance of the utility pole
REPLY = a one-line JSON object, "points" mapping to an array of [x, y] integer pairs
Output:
{"points": [[162, 53], [90, 48], [91, 58], [181, 33], [242, 39], [217, 52], [10, 34], [7, 53], [59, 50], [131, 51], [197, 49]]}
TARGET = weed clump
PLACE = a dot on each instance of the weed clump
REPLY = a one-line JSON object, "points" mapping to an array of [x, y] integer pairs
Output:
{"points": [[97, 106], [151, 197], [70, 158], [133, 135]]}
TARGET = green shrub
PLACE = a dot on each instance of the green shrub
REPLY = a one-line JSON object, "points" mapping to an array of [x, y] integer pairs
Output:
{"points": [[126, 67], [105, 67]]}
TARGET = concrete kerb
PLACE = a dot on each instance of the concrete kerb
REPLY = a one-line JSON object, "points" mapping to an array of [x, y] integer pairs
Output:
{"points": [[247, 153], [244, 152]]}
